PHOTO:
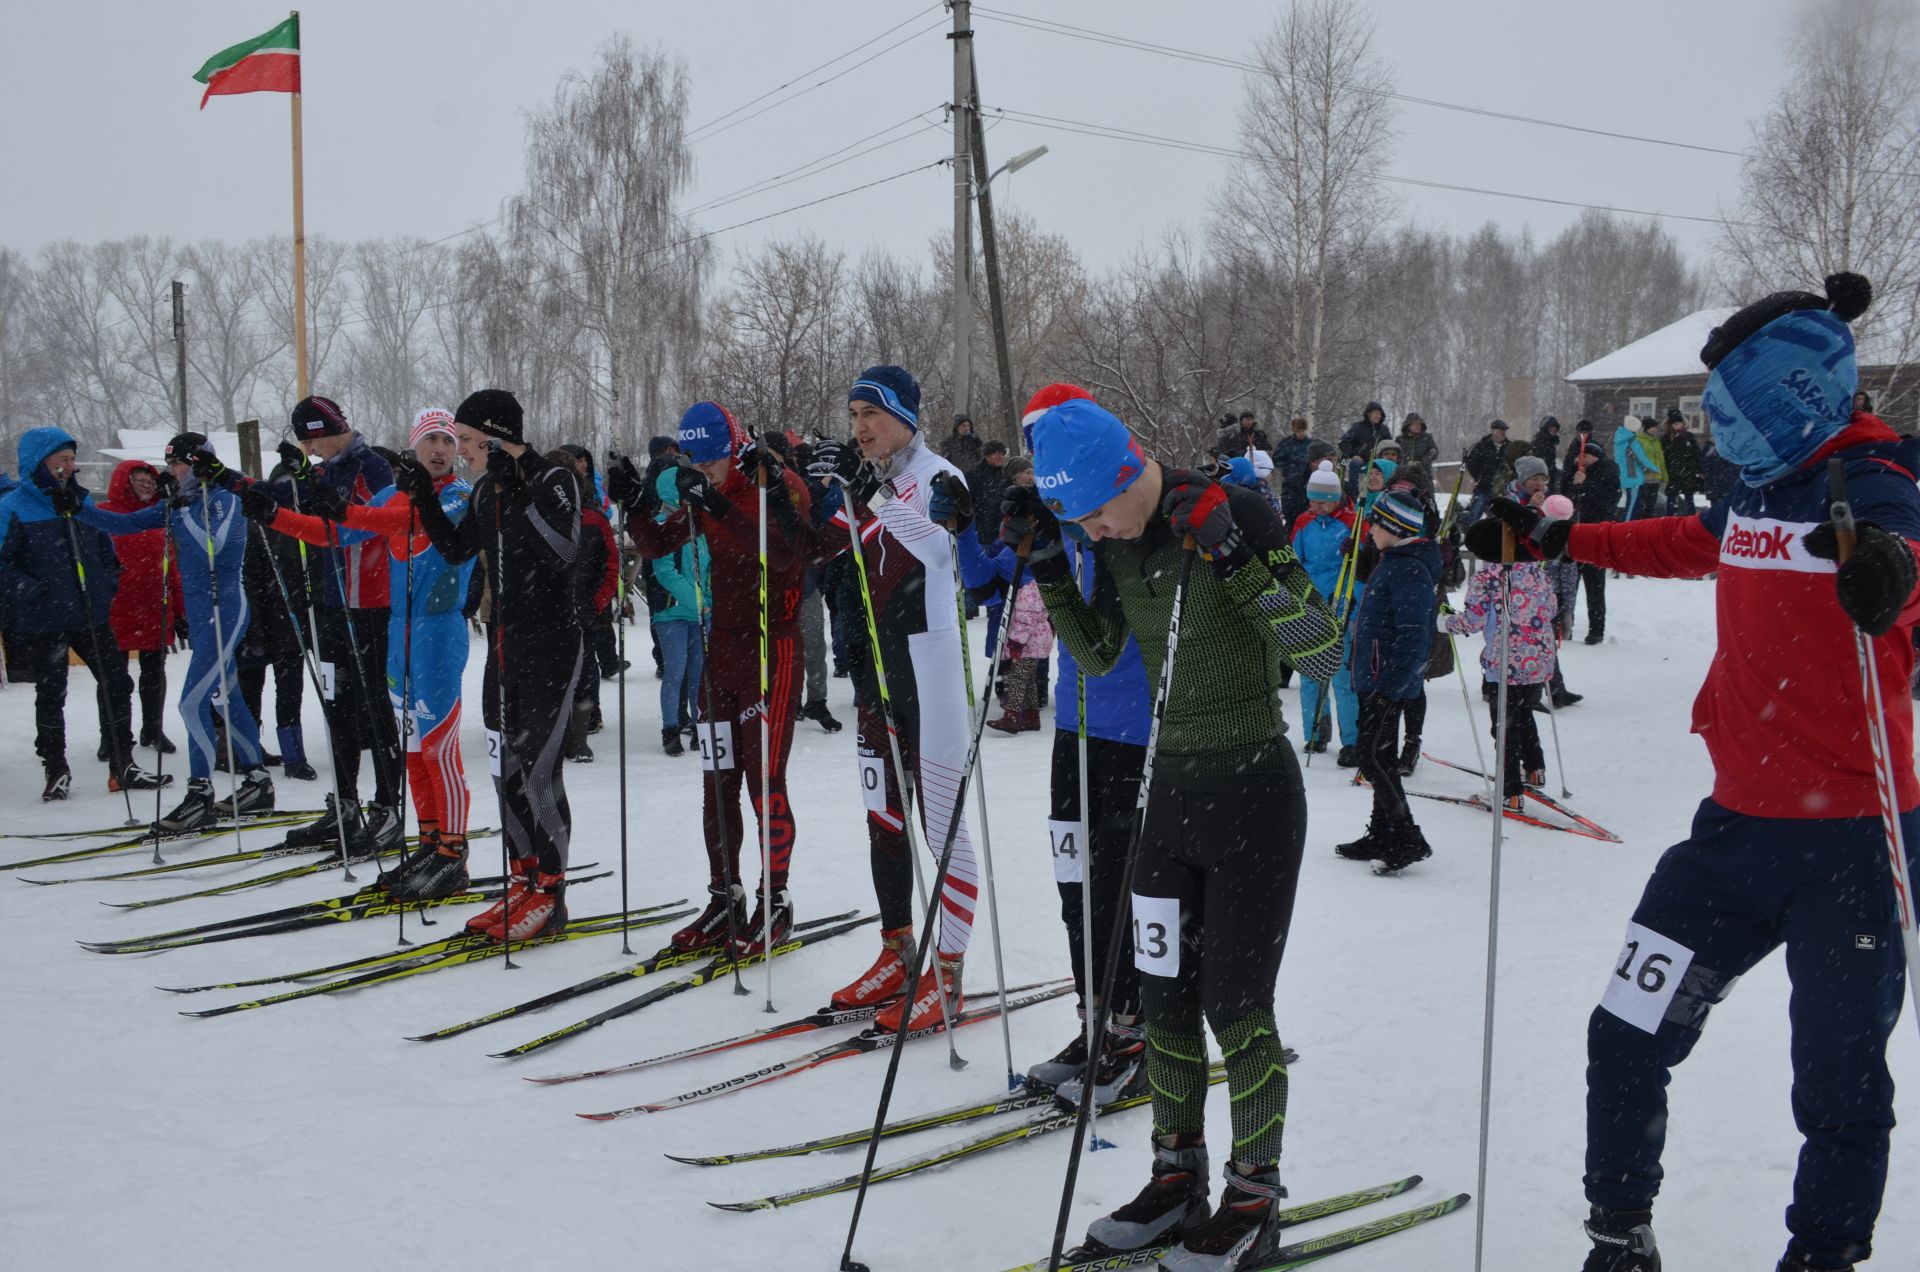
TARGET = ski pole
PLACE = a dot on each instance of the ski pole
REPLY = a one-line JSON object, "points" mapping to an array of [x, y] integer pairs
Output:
{"points": [[1083, 1116], [710, 755], [120, 761], [1883, 775], [1466, 700], [931, 928], [406, 714], [166, 639], [221, 653], [1559, 757], [325, 685], [986, 837], [620, 662], [765, 818], [1094, 1142], [376, 736], [1493, 892]]}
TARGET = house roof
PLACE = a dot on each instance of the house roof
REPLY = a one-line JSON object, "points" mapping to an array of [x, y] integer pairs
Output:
{"points": [[1674, 350]]}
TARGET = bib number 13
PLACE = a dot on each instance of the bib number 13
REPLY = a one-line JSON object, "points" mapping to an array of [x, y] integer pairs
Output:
{"points": [[1156, 935]]}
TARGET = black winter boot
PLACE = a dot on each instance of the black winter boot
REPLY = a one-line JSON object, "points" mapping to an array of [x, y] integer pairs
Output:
{"points": [[1368, 847], [1400, 846], [1622, 1241], [1796, 1260], [670, 742]]}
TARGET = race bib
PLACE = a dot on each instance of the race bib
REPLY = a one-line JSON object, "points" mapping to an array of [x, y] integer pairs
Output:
{"points": [[873, 784], [493, 752], [1156, 935], [326, 680], [716, 746], [1645, 978], [1067, 864]]}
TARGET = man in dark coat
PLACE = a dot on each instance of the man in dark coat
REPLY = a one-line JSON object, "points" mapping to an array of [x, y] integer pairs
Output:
{"points": [[1686, 473], [1484, 460], [1593, 484], [1582, 434], [1546, 445], [1293, 456], [1357, 443]]}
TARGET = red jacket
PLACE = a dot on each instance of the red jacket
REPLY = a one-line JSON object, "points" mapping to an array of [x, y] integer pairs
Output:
{"points": [[733, 546], [1781, 711], [141, 620]]}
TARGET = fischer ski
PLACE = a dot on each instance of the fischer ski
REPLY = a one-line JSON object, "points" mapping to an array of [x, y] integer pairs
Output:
{"points": [[719, 968], [329, 853], [1083, 1260], [1593, 828], [414, 966], [146, 840], [120, 830], [859, 1045], [1300, 1253], [1037, 1123], [459, 941], [665, 957]]}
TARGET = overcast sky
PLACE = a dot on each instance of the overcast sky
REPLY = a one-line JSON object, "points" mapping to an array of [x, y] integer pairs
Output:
{"points": [[415, 112]]}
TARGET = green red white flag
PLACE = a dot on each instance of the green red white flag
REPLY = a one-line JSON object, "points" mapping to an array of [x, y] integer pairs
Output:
{"points": [[267, 63]]}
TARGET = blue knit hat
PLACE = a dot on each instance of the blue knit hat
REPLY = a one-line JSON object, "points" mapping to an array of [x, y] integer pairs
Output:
{"points": [[708, 432], [893, 390], [1083, 456], [1240, 472], [1400, 517], [1784, 373]]}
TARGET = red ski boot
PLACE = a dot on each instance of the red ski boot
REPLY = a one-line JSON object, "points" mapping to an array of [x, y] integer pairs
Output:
{"points": [[886, 978], [542, 908], [927, 1011], [492, 921]]}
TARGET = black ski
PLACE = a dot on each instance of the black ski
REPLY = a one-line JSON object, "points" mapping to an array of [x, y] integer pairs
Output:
{"points": [[268, 853], [721, 967], [146, 838], [664, 958]]}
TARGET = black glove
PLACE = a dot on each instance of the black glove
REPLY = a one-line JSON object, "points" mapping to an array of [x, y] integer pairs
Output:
{"points": [[834, 461], [180, 630], [756, 458], [413, 478], [626, 484], [1875, 582], [949, 502], [1535, 536], [208, 468], [1024, 517], [299, 464], [165, 485], [67, 497], [257, 504], [392, 457], [505, 470], [324, 499], [697, 493], [1196, 504]]}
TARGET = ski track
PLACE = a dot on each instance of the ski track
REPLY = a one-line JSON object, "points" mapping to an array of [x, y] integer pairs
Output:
{"points": [[270, 1138]]}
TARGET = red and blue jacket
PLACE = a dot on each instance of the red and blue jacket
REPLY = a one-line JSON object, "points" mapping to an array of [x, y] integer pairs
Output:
{"points": [[1781, 711]]}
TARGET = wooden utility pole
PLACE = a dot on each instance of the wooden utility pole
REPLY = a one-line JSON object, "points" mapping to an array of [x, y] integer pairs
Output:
{"points": [[299, 255], [989, 245], [962, 37], [180, 348]]}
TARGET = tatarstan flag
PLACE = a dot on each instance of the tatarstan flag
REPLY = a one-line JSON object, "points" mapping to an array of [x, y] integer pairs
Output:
{"points": [[267, 63]]}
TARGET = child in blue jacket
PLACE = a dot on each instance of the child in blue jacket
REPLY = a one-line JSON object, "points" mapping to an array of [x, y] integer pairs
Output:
{"points": [[1322, 539]]}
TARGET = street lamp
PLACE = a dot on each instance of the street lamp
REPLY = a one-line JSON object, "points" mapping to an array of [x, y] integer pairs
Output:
{"points": [[1016, 163]]}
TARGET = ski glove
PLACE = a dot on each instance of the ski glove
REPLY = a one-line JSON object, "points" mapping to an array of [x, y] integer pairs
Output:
{"points": [[1875, 582], [837, 461], [391, 456], [299, 464], [326, 501], [505, 470], [165, 485], [1536, 537], [756, 457], [413, 478], [949, 503], [625, 483], [257, 503], [1196, 504], [66, 498], [1023, 515], [211, 472], [697, 492]]}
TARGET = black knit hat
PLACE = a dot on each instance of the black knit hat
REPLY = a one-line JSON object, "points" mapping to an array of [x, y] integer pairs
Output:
{"points": [[1848, 296], [1674, 416], [494, 412], [318, 417], [182, 448]]}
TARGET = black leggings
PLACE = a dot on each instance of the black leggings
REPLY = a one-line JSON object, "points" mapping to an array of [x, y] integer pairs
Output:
{"points": [[1380, 754], [1414, 711], [1523, 736], [359, 714], [153, 689], [289, 687], [1113, 789], [526, 755]]}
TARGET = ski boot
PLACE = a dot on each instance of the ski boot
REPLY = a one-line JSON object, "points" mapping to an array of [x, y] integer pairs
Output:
{"points": [[105, 751], [1121, 1070], [1173, 1203], [376, 832], [1622, 1242], [443, 873], [252, 798], [1400, 847], [1796, 1260], [887, 976], [576, 750], [491, 922], [195, 813], [595, 722], [59, 782], [1349, 757], [1069, 1062], [319, 833], [541, 909], [293, 754], [1244, 1231], [1409, 757], [670, 742], [135, 778], [751, 940], [943, 977], [818, 713], [726, 913], [1368, 847]]}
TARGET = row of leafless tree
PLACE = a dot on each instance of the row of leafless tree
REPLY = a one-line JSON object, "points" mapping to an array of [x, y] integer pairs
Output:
{"points": [[1303, 292]]}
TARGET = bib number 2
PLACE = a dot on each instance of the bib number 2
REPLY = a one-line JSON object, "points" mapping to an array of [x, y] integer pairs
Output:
{"points": [[1645, 978], [1156, 935]]}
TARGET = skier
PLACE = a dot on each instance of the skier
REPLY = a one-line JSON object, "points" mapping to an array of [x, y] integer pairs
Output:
{"points": [[425, 662], [1788, 849], [278, 640], [1322, 539], [146, 607], [59, 582], [1219, 855], [210, 549], [350, 619], [1530, 655], [596, 576], [888, 476], [524, 513], [1391, 641], [718, 492]]}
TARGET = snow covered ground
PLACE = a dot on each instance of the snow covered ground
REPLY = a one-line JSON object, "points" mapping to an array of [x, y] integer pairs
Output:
{"points": [[286, 1138]]}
